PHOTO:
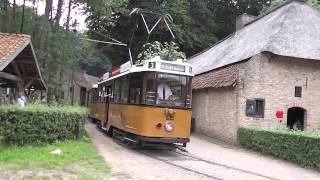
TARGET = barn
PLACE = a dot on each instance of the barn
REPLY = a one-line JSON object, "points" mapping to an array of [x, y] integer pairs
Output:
{"points": [[266, 74], [19, 69]]}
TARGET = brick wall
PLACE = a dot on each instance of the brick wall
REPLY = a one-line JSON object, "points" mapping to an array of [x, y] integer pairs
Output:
{"points": [[274, 78], [214, 110]]}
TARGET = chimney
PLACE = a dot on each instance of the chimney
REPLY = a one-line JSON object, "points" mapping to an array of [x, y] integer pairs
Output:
{"points": [[243, 20]]}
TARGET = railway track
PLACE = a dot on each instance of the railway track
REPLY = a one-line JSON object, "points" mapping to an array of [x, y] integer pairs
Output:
{"points": [[182, 156], [203, 163]]}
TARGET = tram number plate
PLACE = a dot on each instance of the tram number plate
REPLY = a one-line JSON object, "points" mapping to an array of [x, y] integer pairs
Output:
{"points": [[173, 67]]}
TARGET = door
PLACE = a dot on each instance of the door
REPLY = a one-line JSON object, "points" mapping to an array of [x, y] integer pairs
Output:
{"points": [[296, 118], [108, 97]]}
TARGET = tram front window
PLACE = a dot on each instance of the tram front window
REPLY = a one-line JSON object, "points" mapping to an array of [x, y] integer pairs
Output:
{"points": [[171, 90]]}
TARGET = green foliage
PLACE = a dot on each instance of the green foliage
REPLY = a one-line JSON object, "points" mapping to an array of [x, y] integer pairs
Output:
{"points": [[38, 124], [225, 13], [61, 48], [296, 146], [193, 25], [167, 51], [78, 158], [275, 3]]}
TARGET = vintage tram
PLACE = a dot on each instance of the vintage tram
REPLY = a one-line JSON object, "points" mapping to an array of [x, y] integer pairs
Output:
{"points": [[145, 104]]}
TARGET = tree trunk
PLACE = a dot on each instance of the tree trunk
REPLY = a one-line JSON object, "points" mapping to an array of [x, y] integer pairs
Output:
{"points": [[68, 16], [59, 13], [44, 31], [22, 20], [34, 8], [4, 17], [5, 5], [14, 9]]}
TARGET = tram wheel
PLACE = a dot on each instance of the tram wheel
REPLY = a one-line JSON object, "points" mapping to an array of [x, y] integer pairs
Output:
{"points": [[110, 132]]}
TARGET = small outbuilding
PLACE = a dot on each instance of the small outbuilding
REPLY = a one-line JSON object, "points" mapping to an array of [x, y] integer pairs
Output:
{"points": [[266, 74], [19, 69], [76, 86]]}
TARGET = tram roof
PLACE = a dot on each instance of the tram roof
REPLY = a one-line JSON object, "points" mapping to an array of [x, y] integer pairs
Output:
{"points": [[156, 64]]}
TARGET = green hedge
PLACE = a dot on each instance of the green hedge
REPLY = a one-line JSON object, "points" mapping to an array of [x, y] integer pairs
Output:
{"points": [[300, 147], [39, 124]]}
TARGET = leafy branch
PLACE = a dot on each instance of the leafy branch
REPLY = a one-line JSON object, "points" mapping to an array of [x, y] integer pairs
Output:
{"points": [[167, 51]]}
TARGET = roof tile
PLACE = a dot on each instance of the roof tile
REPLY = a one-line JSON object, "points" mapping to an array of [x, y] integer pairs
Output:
{"points": [[222, 77], [9, 43]]}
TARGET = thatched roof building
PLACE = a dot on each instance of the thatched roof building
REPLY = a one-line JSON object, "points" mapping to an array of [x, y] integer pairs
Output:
{"points": [[266, 74], [288, 30]]}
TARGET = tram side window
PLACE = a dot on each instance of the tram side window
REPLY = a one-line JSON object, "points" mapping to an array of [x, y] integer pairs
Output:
{"points": [[151, 94], [94, 95], [124, 89], [135, 88], [117, 86]]}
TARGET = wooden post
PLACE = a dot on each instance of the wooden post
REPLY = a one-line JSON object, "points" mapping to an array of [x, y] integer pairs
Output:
{"points": [[72, 88]]}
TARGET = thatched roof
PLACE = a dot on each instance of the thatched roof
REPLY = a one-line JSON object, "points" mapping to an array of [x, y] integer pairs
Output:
{"points": [[292, 29]]}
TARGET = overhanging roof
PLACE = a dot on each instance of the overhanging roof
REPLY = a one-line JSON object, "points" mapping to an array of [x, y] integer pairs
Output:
{"points": [[292, 29], [17, 54]]}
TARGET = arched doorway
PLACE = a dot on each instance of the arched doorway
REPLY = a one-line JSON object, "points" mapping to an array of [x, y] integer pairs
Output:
{"points": [[296, 118]]}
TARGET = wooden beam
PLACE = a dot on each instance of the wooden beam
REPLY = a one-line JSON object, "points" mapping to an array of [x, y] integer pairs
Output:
{"points": [[16, 68], [28, 84], [9, 76]]}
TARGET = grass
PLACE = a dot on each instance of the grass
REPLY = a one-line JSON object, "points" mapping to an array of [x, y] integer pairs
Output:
{"points": [[79, 158]]}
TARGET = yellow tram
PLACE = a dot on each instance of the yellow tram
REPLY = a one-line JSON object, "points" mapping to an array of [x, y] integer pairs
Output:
{"points": [[146, 104]]}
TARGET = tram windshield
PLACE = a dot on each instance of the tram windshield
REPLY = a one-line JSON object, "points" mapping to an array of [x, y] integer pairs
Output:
{"points": [[168, 90]]}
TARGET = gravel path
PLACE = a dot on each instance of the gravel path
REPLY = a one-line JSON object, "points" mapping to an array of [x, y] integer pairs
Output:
{"points": [[207, 159]]}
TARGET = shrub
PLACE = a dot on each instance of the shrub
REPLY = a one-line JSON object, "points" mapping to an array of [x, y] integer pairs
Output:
{"points": [[39, 124], [300, 147]]}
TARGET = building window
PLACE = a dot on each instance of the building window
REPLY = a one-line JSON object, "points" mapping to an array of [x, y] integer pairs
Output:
{"points": [[298, 91], [255, 108]]}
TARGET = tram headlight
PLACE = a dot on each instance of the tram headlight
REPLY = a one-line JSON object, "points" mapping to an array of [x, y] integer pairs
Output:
{"points": [[169, 126]]}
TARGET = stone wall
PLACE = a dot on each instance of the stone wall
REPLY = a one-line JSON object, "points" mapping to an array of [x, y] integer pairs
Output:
{"points": [[274, 78], [214, 111]]}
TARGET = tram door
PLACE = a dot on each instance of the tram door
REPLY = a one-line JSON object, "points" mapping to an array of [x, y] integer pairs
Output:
{"points": [[109, 96]]}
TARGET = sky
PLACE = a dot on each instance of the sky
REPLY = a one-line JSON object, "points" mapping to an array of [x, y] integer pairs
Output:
{"points": [[76, 13]]}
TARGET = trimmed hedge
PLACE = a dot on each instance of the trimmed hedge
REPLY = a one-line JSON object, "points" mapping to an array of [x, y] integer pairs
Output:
{"points": [[300, 147], [39, 124]]}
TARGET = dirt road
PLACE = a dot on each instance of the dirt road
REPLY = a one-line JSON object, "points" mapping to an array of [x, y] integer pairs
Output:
{"points": [[206, 160]]}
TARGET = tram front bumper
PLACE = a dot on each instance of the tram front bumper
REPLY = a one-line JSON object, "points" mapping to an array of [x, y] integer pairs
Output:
{"points": [[164, 140]]}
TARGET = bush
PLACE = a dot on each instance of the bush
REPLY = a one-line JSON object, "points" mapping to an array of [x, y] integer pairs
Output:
{"points": [[39, 124], [300, 147]]}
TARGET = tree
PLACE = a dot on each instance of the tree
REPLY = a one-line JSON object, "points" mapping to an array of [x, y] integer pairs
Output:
{"points": [[69, 15], [192, 25], [225, 13], [22, 18], [59, 13]]}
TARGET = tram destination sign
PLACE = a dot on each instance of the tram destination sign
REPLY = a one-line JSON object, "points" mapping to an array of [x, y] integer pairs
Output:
{"points": [[173, 67]]}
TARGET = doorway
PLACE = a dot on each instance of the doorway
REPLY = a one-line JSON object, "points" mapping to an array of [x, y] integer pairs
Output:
{"points": [[296, 118], [83, 96]]}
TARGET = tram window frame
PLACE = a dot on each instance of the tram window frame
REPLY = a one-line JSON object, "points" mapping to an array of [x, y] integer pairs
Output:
{"points": [[94, 95], [124, 90], [151, 88], [117, 91], [135, 88], [185, 91], [188, 93]]}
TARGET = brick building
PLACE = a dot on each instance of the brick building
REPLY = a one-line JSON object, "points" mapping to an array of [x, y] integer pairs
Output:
{"points": [[265, 74]]}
